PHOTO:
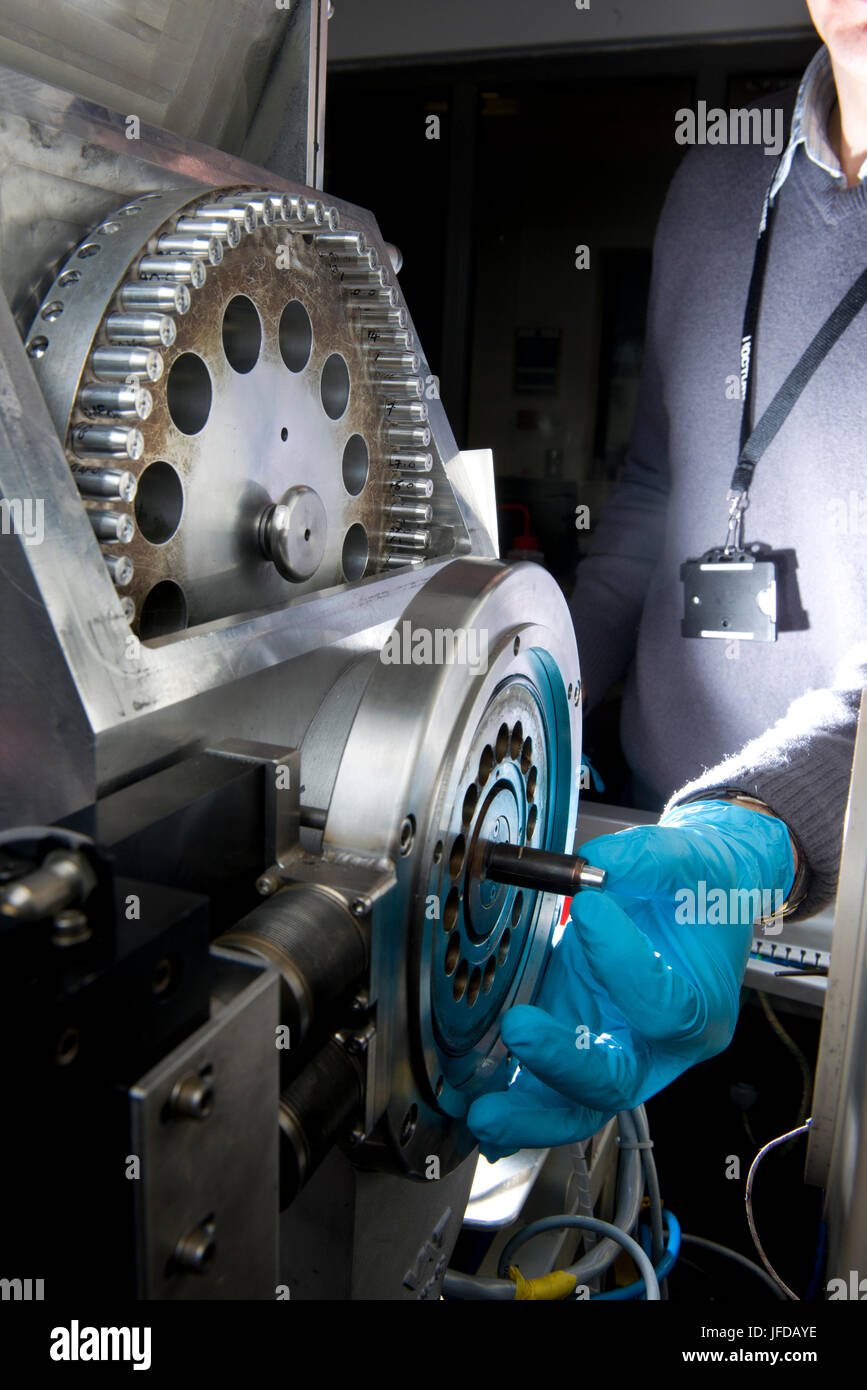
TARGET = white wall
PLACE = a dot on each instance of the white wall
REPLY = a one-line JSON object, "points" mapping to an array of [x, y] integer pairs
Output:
{"points": [[365, 29]]}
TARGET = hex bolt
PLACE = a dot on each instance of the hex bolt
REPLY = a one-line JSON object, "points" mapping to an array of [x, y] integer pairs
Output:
{"points": [[267, 884]]}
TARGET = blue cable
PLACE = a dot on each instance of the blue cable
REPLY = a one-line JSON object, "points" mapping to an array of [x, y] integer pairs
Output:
{"points": [[662, 1270]]}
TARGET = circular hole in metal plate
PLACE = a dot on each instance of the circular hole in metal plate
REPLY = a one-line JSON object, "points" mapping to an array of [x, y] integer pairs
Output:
{"points": [[489, 973], [459, 984], [473, 987], [52, 311], [407, 1129], [163, 611], [527, 756], [456, 858], [502, 745], [37, 347], [407, 829], [531, 822], [189, 393], [355, 551], [516, 741], [356, 464], [470, 802], [503, 948], [451, 909], [486, 763], [90, 248], [159, 502], [69, 277], [334, 386], [295, 336], [531, 783], [517, 908], [242, 334], [453, 952]]}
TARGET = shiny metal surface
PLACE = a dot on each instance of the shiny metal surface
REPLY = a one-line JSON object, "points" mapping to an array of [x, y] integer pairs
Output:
{"points": [[101, 706], [408, 788], [296, 500], [186, 1182], [837, 1142], [262, 386]]}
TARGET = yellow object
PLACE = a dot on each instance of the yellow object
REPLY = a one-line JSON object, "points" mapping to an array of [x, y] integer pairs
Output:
{"points": [[548, 1288]]}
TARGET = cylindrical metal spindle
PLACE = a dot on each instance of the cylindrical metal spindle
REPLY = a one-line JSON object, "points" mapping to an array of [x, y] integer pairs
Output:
{"points": [[169, 299], [120, 568], [128, 402], [106, 482], [407, 540], [411, 463], [206, 248], [399, 388], [406, 412], [227, 229], [112, 526], [411, 511], [189, 270], [244, 214], [120, 363], [340, 243], [539, 869], [146, 330], [107, 441], [413, 487], [411, 437]]}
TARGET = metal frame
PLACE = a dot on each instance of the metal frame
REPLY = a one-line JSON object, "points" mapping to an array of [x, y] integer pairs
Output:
{"points": [[97, 717], [837, 1152]]}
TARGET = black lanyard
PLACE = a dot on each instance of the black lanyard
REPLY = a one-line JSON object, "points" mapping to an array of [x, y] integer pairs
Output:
{"points": [[755, 440]]}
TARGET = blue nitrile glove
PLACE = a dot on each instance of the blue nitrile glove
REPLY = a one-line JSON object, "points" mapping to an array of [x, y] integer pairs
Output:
{"points": [[645, 981]]}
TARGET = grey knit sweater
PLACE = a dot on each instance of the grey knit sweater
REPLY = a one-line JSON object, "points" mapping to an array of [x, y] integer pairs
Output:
{"points": [[776, 720]]}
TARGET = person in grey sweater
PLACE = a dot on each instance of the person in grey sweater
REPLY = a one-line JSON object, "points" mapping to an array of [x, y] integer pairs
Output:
{"points": [[750, 742]]}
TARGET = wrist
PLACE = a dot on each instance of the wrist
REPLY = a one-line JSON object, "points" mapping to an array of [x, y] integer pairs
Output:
{"points": [[734, 796]]}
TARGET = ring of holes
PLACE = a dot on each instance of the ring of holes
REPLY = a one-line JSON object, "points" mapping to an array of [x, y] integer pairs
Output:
{"points": [[509, 742]]}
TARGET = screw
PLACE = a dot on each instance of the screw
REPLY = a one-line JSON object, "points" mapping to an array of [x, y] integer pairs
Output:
{"points": [[359, 1042], [357, 1136], [196, 1250], [360, 907], [192, 1097], [67, 1047], [71, 927], [267, 884]]}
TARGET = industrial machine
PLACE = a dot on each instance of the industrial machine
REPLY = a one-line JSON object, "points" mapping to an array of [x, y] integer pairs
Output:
{"points": [[277, 722], [269, 697]]}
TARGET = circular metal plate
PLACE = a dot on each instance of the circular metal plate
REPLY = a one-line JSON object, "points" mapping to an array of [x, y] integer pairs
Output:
{"points": [[486, 747]]}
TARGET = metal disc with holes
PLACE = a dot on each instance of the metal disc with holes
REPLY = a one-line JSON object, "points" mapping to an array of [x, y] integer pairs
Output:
{"points": [[444, 756], [238, 394]]}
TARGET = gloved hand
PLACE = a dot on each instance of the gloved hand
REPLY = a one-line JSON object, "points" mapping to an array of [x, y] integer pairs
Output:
{"points": [[640, 987]]}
